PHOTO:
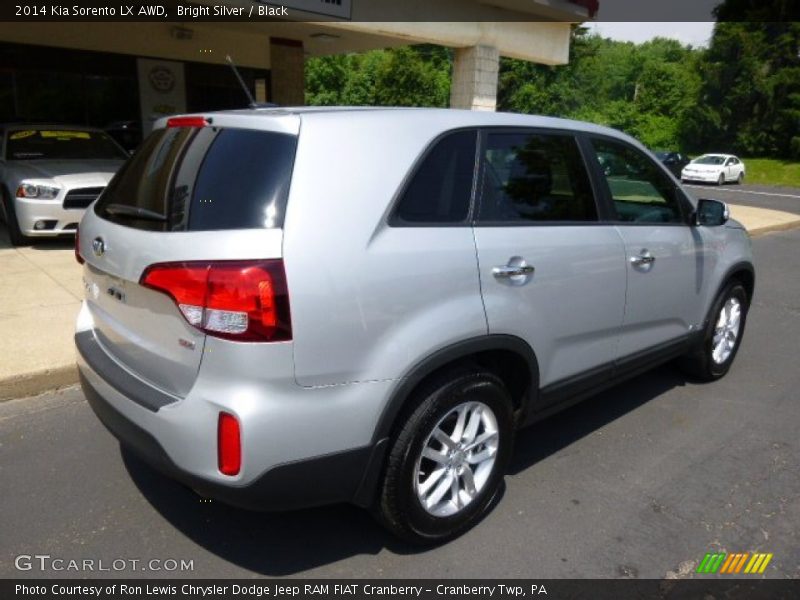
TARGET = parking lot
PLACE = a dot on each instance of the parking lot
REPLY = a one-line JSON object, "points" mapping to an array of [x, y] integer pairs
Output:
{"points": [[640, 481]]}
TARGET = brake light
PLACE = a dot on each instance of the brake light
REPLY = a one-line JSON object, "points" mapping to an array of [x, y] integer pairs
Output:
{"points": [[239, 300], [78, 256], [187, 122], [229, 445]]}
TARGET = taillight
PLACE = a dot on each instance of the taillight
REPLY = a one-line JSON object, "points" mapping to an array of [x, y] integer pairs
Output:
{"points": [[78, 256], [229, 445], [239, 300], [187, 122]]}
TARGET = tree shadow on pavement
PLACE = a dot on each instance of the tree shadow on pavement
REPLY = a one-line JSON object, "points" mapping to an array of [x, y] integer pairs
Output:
{"points": [[281, 544]]}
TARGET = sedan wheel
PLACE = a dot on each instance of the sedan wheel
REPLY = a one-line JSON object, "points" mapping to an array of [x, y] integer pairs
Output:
{"points": [[740, 179], [721, 180]]}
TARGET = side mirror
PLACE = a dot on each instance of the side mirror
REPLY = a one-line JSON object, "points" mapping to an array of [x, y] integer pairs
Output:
{"points": [[711, 213]]}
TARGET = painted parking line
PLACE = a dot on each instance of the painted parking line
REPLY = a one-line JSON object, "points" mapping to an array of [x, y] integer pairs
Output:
{"points": [[705, 187]]}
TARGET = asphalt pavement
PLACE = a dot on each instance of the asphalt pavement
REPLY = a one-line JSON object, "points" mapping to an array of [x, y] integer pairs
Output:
{"points": [[640, 481], [786, 199]]}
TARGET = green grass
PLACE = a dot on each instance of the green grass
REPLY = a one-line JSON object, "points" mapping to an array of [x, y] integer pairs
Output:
{"points": [[769, 171]]}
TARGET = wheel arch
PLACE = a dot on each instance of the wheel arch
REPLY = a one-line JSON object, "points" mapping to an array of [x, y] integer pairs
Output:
{"points": [[509, 357], [743, 272]]}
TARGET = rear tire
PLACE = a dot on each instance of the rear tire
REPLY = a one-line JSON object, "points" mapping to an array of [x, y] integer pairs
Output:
{"points": [[15, 234], [721, 180], [712, 358], [740, 178], [447, 461]]}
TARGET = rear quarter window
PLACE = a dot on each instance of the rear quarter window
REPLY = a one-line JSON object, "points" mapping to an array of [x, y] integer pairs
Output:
{"points": [[203, 179], [440, 188]]}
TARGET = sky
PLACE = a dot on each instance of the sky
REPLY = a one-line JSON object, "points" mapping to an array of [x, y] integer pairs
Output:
{"points": [[695, 33]]}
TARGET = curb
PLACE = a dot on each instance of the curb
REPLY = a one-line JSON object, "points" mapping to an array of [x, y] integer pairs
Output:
{"points": [[37, 382], [758, 231]]}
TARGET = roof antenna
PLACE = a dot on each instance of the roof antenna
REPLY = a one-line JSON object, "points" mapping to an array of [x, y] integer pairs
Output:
{"points": [[252, 101]]}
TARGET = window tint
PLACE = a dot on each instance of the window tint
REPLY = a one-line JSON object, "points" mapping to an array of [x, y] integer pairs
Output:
{"points": [[440, 189], [535, 177], [640, 191], [197, 179]]}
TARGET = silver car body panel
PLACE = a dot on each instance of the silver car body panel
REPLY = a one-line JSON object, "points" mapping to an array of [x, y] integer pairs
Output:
{"points": [[571, 308]]}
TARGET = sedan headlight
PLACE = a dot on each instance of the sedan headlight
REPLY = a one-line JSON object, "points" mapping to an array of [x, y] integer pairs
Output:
{"points": [[27, 189]]}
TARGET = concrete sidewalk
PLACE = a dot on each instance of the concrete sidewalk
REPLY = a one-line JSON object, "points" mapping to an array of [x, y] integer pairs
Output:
{"points": [[41, 291]]}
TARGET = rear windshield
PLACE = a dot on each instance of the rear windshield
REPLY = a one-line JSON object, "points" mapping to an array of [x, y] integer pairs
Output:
{"points": [[61, 144], [203, 179]]}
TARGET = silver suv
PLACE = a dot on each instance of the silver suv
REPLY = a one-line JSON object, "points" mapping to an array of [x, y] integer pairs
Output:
{"points": [[293, 307]]}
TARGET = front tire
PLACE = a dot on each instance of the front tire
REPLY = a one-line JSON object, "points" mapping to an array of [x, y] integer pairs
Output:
{"points": [[447, 462], [713, 357]]}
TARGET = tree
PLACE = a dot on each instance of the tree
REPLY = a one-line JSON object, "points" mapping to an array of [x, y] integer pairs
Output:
{"points": [[751, 90], [406, 76]]}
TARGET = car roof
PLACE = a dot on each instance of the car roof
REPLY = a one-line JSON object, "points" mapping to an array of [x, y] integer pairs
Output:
{"points": [[446, 118], [717, 154]]}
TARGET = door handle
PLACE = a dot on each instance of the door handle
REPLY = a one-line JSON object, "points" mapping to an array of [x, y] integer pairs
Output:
{"points": [[512, 270], [645, 258]]}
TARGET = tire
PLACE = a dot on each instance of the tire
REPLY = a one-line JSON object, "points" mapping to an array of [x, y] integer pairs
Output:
{"points": [[721, 180], [15, 234], [411, 503], [740, 178], [707, 361]]}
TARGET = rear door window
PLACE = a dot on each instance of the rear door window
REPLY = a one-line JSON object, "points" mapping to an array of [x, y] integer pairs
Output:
{"points": [[535, 177], [203, 179]]}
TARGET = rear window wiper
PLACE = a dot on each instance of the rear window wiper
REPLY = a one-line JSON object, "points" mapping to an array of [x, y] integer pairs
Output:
{"points": [[135, 212]]}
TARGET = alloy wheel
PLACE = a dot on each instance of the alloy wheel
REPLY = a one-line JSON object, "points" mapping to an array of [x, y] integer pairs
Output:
{"points": [[457, 459], [726, 331]]}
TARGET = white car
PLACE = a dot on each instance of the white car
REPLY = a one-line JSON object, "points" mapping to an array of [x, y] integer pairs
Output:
{"points": [[714, 168]]}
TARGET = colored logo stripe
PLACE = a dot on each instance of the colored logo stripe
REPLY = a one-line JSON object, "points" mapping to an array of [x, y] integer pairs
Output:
{"points": [[758, 564], [722, 562], [734, 563], [710, 563]]}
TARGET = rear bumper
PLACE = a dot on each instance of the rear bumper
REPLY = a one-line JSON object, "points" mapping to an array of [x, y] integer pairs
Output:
{"points": [[313, 482], [178, 438]]}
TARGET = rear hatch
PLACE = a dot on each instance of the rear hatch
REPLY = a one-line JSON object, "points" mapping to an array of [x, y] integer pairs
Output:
{"points": [[202, 198]]}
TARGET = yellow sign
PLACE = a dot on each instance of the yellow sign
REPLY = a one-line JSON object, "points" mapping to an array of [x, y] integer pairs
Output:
{"points": [[19, 135], [81, 135]]}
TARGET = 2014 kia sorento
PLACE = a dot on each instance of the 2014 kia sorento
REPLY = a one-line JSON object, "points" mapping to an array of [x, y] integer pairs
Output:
{"points": [[292, 307]]}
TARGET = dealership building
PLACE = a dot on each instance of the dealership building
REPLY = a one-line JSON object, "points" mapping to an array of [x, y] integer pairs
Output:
{"points": [[99, 73]]}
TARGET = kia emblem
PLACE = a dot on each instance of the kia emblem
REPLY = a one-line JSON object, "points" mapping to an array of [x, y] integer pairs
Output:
{"points": [[98, 246]]}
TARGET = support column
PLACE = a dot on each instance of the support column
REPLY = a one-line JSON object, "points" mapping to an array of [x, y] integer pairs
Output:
{"points": [[288, 78], [474, 83]]}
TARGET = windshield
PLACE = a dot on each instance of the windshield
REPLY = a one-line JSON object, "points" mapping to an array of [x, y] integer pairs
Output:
{"points": [[61, 144], [709, 159]]}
